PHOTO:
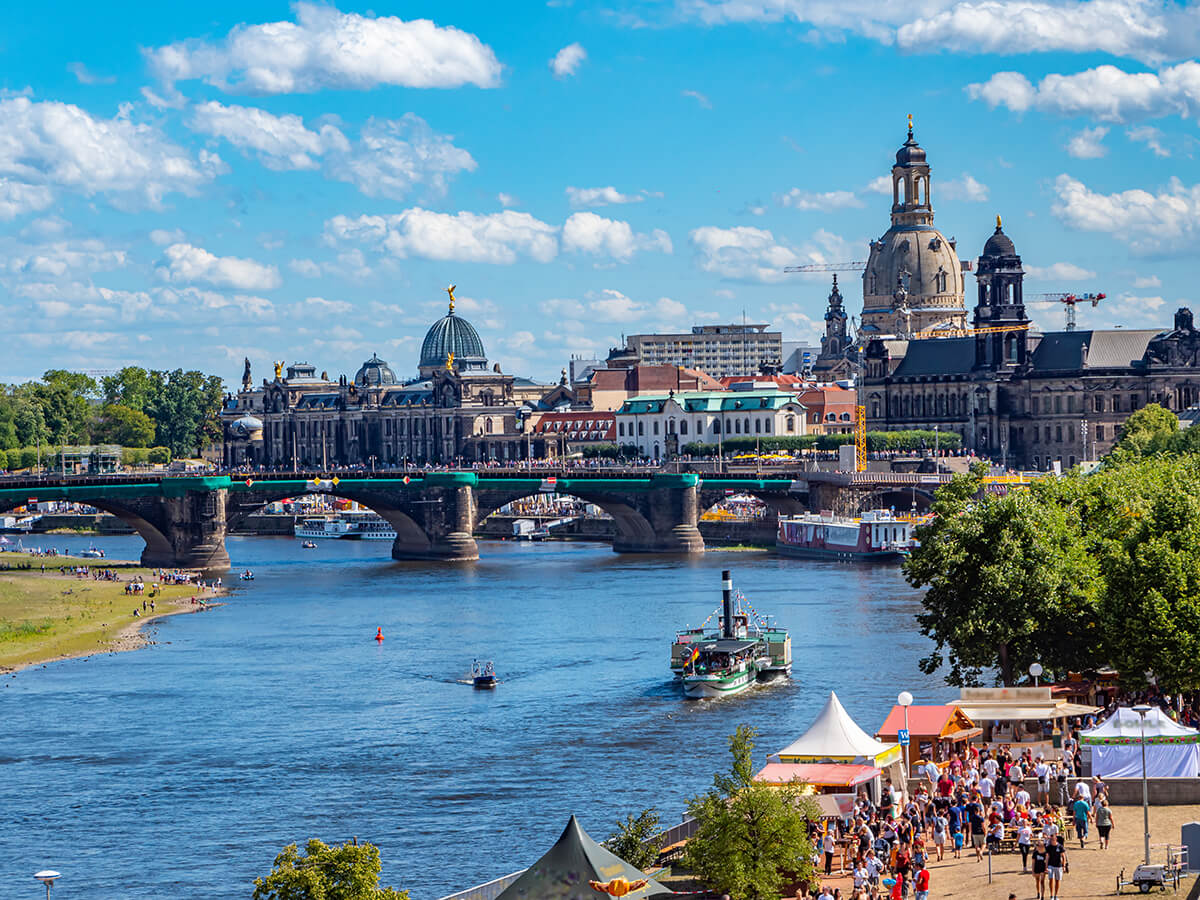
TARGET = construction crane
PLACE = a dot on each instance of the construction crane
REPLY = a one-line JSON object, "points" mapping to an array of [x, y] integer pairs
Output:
{"points": [[964, 332], [1070, 300]]}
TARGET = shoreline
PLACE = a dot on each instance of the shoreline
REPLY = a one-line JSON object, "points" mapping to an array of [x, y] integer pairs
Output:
{"points": [[130, 635]]}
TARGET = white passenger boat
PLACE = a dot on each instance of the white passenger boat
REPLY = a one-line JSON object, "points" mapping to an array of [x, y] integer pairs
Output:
{"points": [[324, 527], [877, 535]]}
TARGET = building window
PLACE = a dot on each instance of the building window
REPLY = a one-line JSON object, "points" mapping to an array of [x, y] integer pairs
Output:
{"points": [[1133, 402], [621, 429], [1098, 403], [1047, 434], [670, 426], [747, 426], [767, 426], [716, 426], [487, 427], [737, 426], [790, 423], [683, 426], [1116, 403], [1099, 432], [1058, 404], [1058, 434], [656, 426], [641, 428]]}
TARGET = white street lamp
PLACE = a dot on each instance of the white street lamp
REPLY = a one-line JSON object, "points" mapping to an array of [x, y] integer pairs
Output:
{"points": [[1141, 709], [905, 699], [1036, 670], [46, 877]]}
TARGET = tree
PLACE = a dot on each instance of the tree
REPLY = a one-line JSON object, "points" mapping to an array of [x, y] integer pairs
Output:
{"points": [[185, 410], [1145, 520], [751, 837], [1010, 581], [348, 872], [1149, 430], [30, 421], [636, 839], [131, 386], [118, 424]]}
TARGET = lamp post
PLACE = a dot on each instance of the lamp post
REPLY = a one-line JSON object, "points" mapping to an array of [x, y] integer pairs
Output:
{"points": [[905, 699], [1141, 709], [1036, 670], [46, 877]]}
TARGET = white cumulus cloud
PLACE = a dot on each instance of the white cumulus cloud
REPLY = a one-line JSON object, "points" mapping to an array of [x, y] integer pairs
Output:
{"points": [[328, 49], [586, 232], [48, 145], [500, 238], [1147, 222], [568, 60], [1088, 144], [17, 198], [600, 196], [321, 305], [1106, 93], [1059, 271], [1150, 136], [965, 187], [187, 262], [281, 142], [741, 252]]}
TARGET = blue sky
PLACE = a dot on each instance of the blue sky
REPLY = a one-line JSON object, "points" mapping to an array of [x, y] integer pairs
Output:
{"points": [[188, 186]]}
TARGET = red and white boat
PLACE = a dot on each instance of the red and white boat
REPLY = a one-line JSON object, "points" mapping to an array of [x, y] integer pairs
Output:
{"points": [[877, 535]]}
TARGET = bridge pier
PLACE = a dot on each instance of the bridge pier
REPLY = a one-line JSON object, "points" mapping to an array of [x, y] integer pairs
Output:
{"points": [[188, 531], [442, 528], [664, 519]]}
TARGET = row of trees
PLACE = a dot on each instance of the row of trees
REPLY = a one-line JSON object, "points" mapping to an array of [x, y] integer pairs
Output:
{"points": [[135, 407], [1073, 572], [876, 441]]}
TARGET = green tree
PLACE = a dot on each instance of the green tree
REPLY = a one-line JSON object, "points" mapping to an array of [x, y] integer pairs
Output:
{"points": [[1144, 518], [636, 839], [185, 411], [751, 837], [1149, 430], [30, 421], [115, 423], [132, 386], [1009, 581], [348, 872]]}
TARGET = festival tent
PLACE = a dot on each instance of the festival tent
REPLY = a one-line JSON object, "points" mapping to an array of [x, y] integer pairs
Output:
{"points": [[1172, 750], [834, 737], [568, 869]]}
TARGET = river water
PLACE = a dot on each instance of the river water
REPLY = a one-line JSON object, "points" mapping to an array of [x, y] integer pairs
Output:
{"points": [[181, 769]]}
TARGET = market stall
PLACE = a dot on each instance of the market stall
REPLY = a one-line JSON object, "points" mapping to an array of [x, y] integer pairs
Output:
{"points": [[1172, 750], [1027, 718], [935, 733]]}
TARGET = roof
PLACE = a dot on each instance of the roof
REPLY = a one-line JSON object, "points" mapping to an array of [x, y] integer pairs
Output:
{"points": [[579, 426], [926, 721], [566, 869], [450, 334], [1125, 727], [1115, 349], [1020, 703], [834, 735], [725, 645], [937, 356], [711, 401], [820, 774]]}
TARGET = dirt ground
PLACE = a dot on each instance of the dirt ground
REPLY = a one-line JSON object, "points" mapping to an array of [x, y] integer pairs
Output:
{"points": [[1093, 871]]}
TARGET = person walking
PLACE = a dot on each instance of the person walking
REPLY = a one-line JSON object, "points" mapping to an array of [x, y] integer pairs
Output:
{"points": [[1104, 823], [828, 846], [1082, 811], [1024, 839], [940, 827], [1039, 869], [921, 884], [1056, 866]]}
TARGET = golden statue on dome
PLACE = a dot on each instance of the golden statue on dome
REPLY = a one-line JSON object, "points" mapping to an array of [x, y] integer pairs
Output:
{"points": [[450, 355], [450, 291]]}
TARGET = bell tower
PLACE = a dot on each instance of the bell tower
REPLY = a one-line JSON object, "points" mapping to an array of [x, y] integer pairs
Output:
{"points": [[1001, 305], [911, 204], [834, 343]]}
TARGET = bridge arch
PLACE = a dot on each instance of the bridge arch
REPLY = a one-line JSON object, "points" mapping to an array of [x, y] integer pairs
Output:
{"points": [[634, 530]]}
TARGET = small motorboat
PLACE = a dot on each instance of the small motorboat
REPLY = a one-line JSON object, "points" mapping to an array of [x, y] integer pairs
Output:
{"points": [[309, 545], [91, 553], [483, 674], [247, 576]]}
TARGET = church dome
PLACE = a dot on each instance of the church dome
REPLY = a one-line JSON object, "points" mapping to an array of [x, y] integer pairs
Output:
{"points": [[450, 334], [246, 427], [375, 372], [999, 244]]}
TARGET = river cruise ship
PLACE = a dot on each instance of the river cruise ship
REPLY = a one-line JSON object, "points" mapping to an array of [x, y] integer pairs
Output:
{"points": [[352, 525], [877, 535], [742, 649]]}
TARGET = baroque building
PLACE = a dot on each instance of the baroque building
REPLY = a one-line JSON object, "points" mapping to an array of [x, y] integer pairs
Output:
{"points": [[455, 409], [1021, 397]]}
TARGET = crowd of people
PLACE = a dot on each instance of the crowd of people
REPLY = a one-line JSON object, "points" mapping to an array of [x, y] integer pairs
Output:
{"points": [[985, 803]]}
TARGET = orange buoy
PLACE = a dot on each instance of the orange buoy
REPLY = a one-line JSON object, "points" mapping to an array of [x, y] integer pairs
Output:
{"points": [[379, 634]]}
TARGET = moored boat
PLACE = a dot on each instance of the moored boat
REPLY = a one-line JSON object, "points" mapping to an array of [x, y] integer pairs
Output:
{"points": [[876, 535], [743, 649]]}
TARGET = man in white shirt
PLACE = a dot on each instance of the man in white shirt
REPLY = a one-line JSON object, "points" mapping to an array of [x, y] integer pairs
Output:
{"points": [[991, 767], [1083, 791], [1022, 798], [932, 772], [1042, 771], [985, 787]]}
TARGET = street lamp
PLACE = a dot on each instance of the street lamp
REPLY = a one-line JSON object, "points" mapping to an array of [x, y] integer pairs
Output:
{"points": [[905, 699], [1036, 670], [46, 877], [1141, 709]]}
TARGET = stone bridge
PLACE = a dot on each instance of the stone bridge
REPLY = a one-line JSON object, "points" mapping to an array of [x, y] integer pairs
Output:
{"points": [[184, 520]]}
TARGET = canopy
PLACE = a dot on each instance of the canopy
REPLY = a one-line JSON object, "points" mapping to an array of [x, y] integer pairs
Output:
{"points": [[819, 774], [1172, 750], [567, 869], [946, 722], [1018, 704], [835, 737]]}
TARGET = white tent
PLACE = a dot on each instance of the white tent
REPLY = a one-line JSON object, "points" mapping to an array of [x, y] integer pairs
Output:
{"points": [[1172, 751], [835, 737]]}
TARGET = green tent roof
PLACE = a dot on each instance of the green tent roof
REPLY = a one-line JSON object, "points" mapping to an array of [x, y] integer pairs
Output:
{"points": [[564, 872]]}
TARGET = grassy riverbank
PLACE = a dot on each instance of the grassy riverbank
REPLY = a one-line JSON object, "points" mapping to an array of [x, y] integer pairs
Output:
{"points": [[52, 616]]}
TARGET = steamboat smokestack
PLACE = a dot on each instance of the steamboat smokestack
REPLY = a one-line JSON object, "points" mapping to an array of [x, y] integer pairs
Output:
{"points": [[727, 603]]}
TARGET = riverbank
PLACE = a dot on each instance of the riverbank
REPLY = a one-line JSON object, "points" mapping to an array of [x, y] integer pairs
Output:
{"points": [[48, 616]]}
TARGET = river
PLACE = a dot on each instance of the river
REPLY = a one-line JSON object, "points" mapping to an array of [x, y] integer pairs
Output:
{"points": [[181, 769]]}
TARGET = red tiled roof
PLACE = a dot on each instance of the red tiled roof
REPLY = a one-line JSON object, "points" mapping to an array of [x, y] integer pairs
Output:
{"points": [[579, 426]]}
